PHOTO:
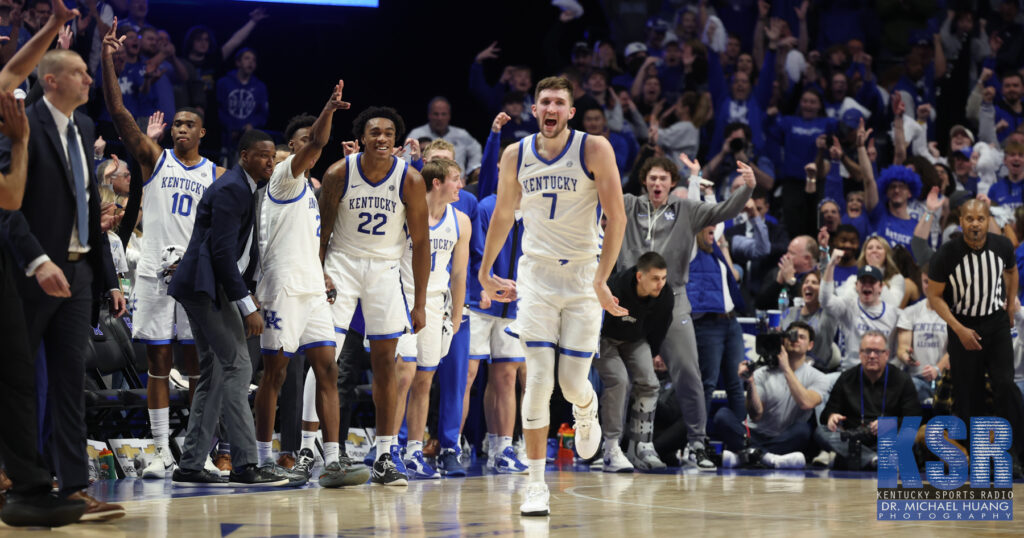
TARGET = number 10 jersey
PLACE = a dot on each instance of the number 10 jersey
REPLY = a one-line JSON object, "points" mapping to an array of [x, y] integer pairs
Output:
{"points": [[371, 216], [169, 201]]}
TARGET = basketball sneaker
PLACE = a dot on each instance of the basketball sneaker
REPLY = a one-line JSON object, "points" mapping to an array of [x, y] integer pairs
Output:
{"points": [[385, 472], [644, 457], [161, 467], [588, 430], [793, 460], [536, 501], [449, 464], [614, 460], [197, 479], [417, 467], [696, 454], [255, 476], [336, 475], [507, 463], [304, 462]]}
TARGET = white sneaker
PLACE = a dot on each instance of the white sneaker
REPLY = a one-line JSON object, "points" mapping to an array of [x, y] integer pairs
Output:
{"points": [[793, 460], [536, 501], [614, 460], [696, 455], [729, 459], [161, 467], [644, 457], [588, 430], [824, 460]]}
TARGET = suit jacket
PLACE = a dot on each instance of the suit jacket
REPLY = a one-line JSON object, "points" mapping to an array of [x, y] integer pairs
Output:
{"points": [[47, 213], [224, 220]]}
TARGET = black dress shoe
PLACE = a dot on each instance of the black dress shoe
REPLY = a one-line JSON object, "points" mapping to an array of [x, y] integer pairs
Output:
{"points": [[253, 476], [45, 510]]}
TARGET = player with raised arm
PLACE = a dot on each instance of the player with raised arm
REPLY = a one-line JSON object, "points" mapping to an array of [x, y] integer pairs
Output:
{"points": [[295, 310], [370, 201], [559, 178], [420, 353], [175, 180]]}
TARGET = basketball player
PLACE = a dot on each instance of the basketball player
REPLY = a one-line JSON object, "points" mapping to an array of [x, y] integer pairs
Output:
{"points": [[557, 177], [421, 353], [175, 181], [295, 310], [367, 199]]}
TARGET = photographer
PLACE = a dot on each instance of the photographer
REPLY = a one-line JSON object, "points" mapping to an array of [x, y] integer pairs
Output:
{"points": [[780, 399], [861, 395], [721, 169]]}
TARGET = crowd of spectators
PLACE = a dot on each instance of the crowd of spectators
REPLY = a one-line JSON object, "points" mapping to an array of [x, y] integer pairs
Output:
{"points": [[867, 125]]}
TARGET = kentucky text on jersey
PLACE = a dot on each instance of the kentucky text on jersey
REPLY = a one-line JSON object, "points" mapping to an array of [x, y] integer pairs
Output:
{"points": [[372, 202], [184, 184], [543, 183], [441, 244]]}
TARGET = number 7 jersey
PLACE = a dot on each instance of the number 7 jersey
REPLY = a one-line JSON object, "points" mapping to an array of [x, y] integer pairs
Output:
{"points": [[560, 204], [371, 216], [169, 201]]}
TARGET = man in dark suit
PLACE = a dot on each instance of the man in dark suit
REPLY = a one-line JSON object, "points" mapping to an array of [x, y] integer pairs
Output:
{"points": [[212, 283], [66, 258]]}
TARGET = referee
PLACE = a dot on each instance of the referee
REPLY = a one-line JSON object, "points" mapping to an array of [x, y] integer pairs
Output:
{"points": [[972, 278]]}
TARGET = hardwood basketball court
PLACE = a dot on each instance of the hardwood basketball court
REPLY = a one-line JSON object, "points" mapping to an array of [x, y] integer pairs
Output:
{"points": [[591, 504]]}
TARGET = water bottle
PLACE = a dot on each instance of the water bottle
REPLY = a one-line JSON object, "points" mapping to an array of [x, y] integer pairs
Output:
{"points": [[566, 443], [784, 303], [107, 470]]}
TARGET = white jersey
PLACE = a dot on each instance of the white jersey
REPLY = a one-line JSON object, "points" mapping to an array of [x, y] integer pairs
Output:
{"points": [[443, 237], [560, 203], [371, 216], [170, 199], [289, 236]]}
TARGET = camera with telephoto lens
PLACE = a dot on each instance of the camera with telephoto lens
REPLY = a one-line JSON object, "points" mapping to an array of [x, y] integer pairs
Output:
{"points": [[768, 345], [737, 145]]}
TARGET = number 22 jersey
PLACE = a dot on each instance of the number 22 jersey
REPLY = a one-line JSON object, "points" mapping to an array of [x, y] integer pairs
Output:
{"points": [[371, 216]]}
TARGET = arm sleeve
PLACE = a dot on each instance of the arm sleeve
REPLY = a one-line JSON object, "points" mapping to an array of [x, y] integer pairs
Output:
{"points": [[488, 178], [283, 186], [765, 80], [661, 319], [702, 214], [834, 186], [489, 96]]}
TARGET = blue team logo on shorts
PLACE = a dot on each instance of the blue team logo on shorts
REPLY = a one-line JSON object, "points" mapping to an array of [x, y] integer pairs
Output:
{"points": [[271, 319]]}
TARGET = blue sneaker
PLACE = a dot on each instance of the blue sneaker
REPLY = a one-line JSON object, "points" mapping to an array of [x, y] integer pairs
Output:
{"points": [[418, 467], [396, 456], [449, 465], [371, 456], [508, 463]]}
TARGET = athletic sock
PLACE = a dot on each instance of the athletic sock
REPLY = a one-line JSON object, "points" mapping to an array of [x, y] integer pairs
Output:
{"points": [[492, 444], [330, 453], [263, 451], [414, 446], [158, 422], [536, 470], [503, 442], [309, 440], [224, 447], [384, 443]]}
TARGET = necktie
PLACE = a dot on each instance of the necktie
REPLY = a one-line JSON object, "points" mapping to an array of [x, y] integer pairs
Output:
{"points": [[254, 252], [78, 174]]}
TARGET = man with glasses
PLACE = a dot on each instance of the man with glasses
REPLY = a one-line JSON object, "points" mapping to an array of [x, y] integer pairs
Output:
{"points": [[860, 396]]}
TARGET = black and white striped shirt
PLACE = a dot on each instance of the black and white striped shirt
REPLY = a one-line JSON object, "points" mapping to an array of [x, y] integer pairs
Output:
{"points": [[973, 278]]}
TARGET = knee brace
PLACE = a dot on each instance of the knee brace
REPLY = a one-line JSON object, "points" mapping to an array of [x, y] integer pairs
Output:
{"points": [[540, 383], [574, 380]]}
